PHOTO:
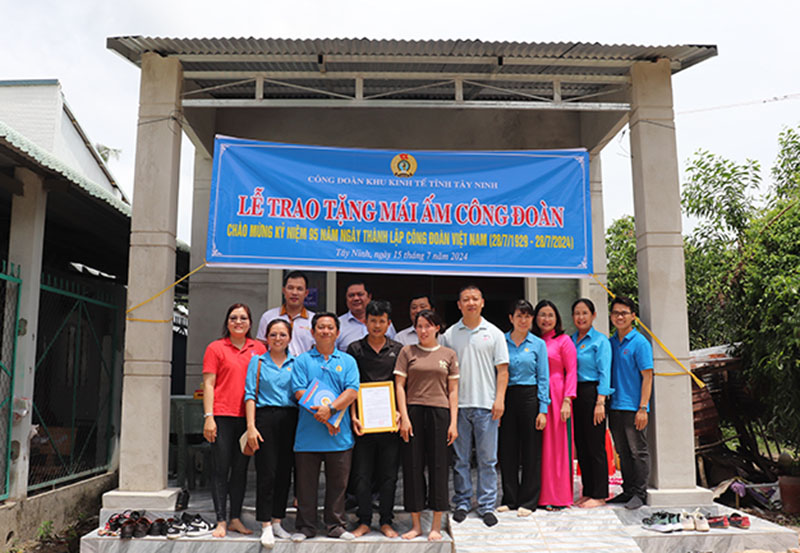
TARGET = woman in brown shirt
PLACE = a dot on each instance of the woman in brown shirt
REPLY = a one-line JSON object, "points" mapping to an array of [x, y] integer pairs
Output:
{"points": [[426, 377]]}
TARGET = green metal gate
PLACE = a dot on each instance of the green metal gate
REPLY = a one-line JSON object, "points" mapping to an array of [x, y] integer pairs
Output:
{"points": [[9, 307], [74, 393]]}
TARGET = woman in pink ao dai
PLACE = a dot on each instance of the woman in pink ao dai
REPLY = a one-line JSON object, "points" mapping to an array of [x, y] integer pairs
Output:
{"points": [[557, 436]]}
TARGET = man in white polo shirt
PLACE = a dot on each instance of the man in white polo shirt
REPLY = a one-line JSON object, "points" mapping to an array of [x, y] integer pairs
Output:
{"points": [[295, 291], [483, 361]]}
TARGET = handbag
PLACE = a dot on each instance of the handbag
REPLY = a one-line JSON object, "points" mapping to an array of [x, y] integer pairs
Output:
{"points": [[243, 445]]}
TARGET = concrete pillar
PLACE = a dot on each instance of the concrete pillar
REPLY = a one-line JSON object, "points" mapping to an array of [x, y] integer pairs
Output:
{"points": [[589, 287], [211, 291], [25, 245], [662, 284], [144, 436]]}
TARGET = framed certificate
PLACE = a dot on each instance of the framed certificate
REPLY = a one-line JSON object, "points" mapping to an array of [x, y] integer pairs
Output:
{"points": [[376, 407]]}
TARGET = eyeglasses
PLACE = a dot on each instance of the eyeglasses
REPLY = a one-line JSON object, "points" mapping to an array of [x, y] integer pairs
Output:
{"points": [[234, 319], [620, 313]]}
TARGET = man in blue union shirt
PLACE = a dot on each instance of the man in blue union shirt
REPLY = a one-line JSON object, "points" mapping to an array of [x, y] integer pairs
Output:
{"points": [[317, 439], [632, 380]]}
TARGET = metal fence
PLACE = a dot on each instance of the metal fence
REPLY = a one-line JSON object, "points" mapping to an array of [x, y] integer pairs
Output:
{"points": [[9, 310], [74, 397]]}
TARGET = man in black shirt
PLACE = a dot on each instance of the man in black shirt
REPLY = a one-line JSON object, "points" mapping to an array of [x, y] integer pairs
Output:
{"points": [[375, 456]]}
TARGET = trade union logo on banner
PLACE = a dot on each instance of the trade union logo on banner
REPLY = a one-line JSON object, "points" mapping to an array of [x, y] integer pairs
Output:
{"points": [[404, 165], [505, 213]]}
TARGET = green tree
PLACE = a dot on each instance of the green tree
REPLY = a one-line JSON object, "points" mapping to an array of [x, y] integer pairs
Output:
{"points": [[769, 308], [623, 276]]}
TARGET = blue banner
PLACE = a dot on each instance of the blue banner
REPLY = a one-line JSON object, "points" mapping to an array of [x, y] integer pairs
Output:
{"points": [[522, 213]]}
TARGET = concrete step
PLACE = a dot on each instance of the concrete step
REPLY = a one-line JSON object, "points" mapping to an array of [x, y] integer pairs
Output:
{"points": [[374, 542]]}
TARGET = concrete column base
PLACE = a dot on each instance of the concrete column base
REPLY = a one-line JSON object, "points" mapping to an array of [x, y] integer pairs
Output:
{"points": [[672, 497], [161, 500]]}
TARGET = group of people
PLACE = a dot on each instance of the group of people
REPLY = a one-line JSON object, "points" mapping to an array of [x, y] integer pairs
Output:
{"points": [[519, 396]]}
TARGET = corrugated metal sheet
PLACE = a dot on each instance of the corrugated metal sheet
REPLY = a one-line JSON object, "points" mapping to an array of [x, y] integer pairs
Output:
{"points": [[133, 46], [16, 141], [406, 62]]}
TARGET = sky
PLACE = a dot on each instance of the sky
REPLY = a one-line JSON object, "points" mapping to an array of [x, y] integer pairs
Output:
{"points": [[756, 70]]}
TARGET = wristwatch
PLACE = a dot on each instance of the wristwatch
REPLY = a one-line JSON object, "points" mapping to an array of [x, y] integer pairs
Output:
{"points": [[205, 415]]}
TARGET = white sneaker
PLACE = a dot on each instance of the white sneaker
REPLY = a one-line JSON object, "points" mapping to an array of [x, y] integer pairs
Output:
{"points": [[700, 521], [687, 521], [279, 532], [348, 536], [503, 509], [523, 512], [267, 538], [298, 537]]}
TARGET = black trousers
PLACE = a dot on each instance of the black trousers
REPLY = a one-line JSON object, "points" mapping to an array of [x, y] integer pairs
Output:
{"points": [[229, 467], [426, 448], [337, 470], [520, 444], [376, 458], [590, 442], [634, 457], [274, 460]]}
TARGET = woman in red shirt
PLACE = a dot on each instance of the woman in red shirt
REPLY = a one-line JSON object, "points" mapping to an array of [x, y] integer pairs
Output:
{"points": [[224, 373]]}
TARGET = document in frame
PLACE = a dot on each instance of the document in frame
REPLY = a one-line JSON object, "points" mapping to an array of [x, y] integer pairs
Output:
{"points": [[376, 407]]}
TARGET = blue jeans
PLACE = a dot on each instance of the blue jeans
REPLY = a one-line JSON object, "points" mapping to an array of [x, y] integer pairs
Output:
{"points": [[477, 423]]}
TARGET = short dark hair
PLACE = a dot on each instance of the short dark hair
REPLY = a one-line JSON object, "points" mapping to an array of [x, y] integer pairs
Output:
{"points": [[523, 306], [589, 303], [376, 308], [274, 322], [295, 274], [471, 286], [323, 314], [431, 316], [559, 325], [623, 300], [420, 296], [357, 282], [225, 332]]}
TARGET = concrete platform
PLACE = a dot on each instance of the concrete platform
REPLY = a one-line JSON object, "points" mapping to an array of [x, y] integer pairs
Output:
{"points": [[611, 530], [607, 529], [374, 542]]}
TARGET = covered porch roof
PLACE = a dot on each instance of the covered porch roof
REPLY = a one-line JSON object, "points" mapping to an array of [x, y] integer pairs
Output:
{"points": [[251, 72]]}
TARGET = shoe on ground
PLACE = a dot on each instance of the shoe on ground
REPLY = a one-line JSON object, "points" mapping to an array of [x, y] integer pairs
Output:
{"points": [[279, 532], [341, 533], [141, 528], [658, 522], [182, 501], [503, 509], [523, 512], [176, 528], [718, 522], [198, 527], [738, 520], [267, 537], [127, 529], [634, 502], [158, 528], [460, 515], [621, 498], [489, 519], [297, 537], [675, 522], [687, 521], [700, 522]]}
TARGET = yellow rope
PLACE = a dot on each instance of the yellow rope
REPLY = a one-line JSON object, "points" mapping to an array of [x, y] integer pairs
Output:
{"points": [[663, 346], [168, 288]]}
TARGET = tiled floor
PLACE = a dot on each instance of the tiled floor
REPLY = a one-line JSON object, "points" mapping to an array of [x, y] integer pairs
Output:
{"points": [[597, 530]]}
